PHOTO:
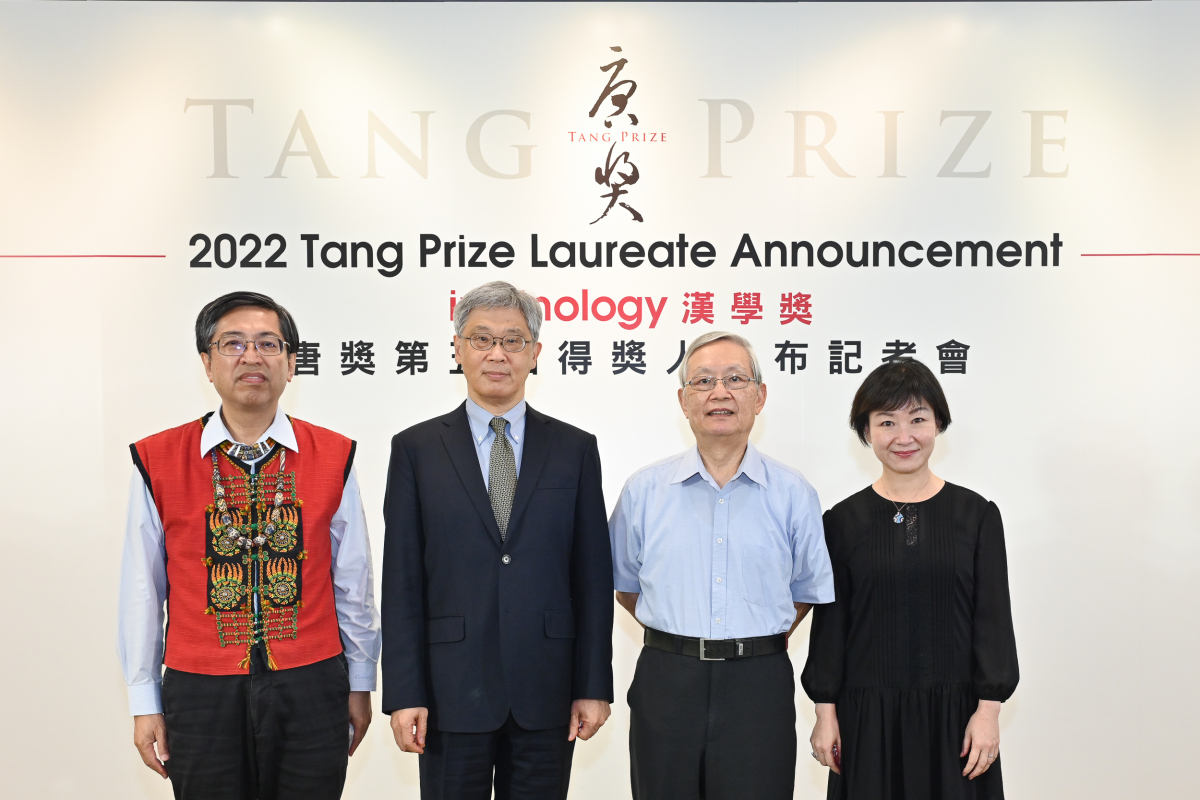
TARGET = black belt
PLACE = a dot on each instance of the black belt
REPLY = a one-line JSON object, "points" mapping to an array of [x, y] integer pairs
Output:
{"points": [[715, 649]]}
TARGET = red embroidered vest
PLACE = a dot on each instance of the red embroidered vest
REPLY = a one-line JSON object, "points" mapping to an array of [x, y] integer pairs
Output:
{"points": [[212, 581]]}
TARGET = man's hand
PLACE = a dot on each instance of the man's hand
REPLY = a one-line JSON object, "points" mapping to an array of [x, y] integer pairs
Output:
{"points": [[409, 726], [628, 601], [586, 718], [149, 734], [360, 717], [802, 610]]}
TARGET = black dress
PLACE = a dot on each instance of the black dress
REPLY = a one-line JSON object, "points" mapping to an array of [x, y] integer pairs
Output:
{"points": [[921, 630]]}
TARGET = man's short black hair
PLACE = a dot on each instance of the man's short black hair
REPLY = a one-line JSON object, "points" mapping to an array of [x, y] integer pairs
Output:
{"points": [[210, 315], [894, 385]]}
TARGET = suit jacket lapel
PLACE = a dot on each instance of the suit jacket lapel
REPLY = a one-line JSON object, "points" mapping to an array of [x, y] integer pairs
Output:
{"points": [[533, 458], [461, 448]]}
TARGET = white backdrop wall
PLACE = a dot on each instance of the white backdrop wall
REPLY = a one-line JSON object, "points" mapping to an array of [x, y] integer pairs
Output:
{"points": [[1074, 413]]}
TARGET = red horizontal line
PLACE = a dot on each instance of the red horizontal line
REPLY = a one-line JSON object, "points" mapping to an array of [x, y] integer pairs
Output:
{"points": [[1110, 255], [74, 256]]}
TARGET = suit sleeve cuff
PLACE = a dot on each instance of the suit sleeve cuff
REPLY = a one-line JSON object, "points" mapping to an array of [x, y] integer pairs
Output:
{"points": [[145, 698], [362, 676]]}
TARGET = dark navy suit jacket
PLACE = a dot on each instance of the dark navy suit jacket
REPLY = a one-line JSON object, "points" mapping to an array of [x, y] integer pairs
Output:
{"points": [[475, 628]]}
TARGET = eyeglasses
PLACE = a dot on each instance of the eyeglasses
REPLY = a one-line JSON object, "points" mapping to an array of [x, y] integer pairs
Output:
{"points": [[265, 345], [485, 341], [733, 383]]}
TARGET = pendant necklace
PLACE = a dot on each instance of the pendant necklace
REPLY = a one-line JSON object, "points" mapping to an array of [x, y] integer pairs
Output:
{"points": [[235, 537], [900, 508]]}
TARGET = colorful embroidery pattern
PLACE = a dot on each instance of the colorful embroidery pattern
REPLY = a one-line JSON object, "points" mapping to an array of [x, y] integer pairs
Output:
{"points": [[237, 628], [219, 523], [281, 534], [281, 581], [254, 549], [227, 588]]}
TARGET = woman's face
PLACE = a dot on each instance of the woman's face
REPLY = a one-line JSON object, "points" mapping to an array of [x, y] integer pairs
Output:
{"points": [[903, 439]]}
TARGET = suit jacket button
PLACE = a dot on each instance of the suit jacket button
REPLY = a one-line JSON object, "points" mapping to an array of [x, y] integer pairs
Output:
{"points": [[506, 558]]}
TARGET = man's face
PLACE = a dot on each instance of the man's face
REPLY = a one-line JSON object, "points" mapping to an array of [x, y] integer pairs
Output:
{"points": [[496, 377], [721, 413], [250, 381]]}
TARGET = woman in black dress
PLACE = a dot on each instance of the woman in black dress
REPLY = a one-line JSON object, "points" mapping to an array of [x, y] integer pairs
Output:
{"points": [[909, 666]]}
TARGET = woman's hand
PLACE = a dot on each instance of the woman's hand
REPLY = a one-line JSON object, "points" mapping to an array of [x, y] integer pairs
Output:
{"points": [[982, 739], [826, 739]]}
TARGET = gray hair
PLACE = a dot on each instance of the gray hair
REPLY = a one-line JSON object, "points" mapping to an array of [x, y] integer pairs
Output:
{"points": [[499, 294], [716, 336]]}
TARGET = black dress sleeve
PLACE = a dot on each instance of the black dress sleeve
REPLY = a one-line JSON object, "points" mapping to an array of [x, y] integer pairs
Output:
{"points": [[994, 645], [824, 672]]}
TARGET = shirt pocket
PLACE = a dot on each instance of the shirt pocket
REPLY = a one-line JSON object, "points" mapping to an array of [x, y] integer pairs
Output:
{"points": [[763, 583]]}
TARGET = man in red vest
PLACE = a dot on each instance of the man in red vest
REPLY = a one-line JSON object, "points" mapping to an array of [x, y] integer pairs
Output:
{"points": [[247, 524]]}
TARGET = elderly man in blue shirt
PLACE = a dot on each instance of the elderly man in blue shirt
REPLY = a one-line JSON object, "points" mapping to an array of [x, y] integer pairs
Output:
{"points": [[719, 553]]}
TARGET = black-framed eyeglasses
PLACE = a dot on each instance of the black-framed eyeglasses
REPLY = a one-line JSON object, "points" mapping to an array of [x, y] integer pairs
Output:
{"points": [[733, 383], [485, 341], [236, 346]]}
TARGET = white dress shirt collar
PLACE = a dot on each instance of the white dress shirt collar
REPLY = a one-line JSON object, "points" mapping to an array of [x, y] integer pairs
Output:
{"points": [[692, 464], [215, 432]]}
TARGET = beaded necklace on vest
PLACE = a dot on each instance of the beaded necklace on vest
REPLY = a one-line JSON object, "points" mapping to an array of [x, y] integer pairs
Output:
{"points": [[255, 597]]}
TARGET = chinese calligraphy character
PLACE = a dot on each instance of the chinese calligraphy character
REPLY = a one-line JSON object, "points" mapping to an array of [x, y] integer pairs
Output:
{"points": [[678, 361], [953, 356], [307, 356], [610, 93], [700, 309], [840, 355], [894, 351], [413, 358], [576, 355], [795, 307], [457, 367], [747, 306], [791, 352], [358, 355], [616, 179], [629, 355]]}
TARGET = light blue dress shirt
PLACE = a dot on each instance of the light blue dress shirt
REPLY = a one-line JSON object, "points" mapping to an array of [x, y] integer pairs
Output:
{"points": [[483, 435], [720, 562]]}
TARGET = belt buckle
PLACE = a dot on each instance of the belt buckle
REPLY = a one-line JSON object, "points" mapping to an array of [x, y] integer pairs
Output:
{"points": [[704, 657]]}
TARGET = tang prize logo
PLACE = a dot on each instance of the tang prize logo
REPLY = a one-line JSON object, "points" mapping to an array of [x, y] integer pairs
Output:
{"points": [[618, 172]]}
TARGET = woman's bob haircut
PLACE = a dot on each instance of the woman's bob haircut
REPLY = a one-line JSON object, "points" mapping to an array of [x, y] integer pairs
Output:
{"points": [[893, 386]]}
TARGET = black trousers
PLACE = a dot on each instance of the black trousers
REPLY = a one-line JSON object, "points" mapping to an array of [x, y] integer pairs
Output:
{"points": [[270, 735], [524, 765], [716, 730]]}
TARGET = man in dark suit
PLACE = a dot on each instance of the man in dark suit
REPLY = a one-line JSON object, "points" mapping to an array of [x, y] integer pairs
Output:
{"points": [[497, 575]]}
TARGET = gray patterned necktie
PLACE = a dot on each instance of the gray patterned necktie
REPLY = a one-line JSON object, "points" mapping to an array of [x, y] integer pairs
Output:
{"points": [[502, 476]]}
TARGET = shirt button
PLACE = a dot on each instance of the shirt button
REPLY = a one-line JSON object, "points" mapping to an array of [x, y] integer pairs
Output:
{"points": [[722, 500], [718, 580], [720, 540], [718, 620], [506, 558]]}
